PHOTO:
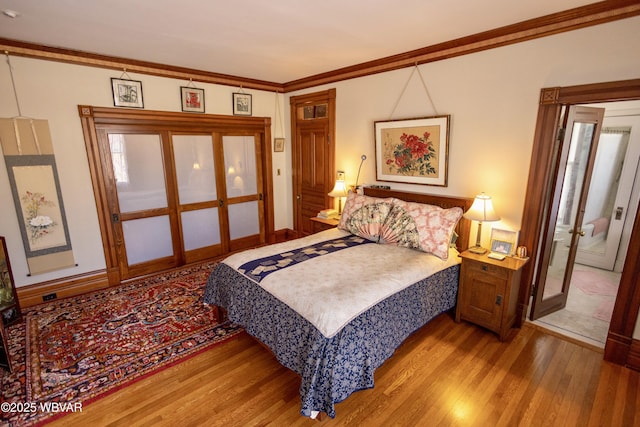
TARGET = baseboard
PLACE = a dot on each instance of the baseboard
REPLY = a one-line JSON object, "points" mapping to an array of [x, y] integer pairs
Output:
{"points": [[284, 234], [75, 285], [617, 348], [62, 288], [633, 358]]}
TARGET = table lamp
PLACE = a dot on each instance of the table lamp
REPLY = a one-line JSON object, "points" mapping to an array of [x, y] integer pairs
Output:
{"points": [[339, 190], [482, 211]]}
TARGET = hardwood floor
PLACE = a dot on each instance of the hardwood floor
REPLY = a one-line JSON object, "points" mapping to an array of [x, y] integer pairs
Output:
{"points": [[444, 374]]}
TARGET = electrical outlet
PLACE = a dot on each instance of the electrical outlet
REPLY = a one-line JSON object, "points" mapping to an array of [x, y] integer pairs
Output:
{"points": [[49, 297]]}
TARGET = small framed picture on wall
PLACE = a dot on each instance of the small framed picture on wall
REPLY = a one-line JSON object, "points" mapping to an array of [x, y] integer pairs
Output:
{"points": [[192, 99], [127, 93], [241, 104]]}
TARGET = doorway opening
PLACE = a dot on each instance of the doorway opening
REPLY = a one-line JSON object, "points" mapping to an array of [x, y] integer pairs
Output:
{"points": [[595, 268]]}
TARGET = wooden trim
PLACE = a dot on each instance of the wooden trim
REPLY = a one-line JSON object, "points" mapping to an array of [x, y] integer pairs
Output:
{"points": [[633, 360], [30, 50], [65, 287], [569, 20], [537, 200]]}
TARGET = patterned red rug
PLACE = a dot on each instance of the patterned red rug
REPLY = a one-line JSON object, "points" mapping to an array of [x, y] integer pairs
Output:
{"points": [[76, 350]]}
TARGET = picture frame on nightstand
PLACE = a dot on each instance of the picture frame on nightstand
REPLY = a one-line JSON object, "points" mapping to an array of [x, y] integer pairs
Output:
{"points": [[504, 241]]}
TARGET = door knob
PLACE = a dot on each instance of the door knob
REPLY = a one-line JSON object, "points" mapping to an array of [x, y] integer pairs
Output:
{"points": [[581, 232]]}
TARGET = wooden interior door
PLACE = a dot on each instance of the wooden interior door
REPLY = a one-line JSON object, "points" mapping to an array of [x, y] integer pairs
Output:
{"points": [[313, 129]]}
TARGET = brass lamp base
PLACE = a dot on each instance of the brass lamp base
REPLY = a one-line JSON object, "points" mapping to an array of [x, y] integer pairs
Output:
{"points": [[477, 250]]}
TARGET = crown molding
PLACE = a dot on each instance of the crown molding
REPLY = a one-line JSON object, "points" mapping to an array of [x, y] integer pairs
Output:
{"points": [[569, 20], [30, 50]]}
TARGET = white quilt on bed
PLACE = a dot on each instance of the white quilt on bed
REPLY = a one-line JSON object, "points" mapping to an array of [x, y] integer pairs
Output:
{"points": [[331, 290]]}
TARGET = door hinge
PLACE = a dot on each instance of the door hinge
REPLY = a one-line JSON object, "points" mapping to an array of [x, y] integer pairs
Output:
{"points": [[260, 196], [561, 133]]}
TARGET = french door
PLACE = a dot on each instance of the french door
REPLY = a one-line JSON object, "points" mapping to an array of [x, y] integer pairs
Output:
{"points": [[180, 198], [171, 193]]}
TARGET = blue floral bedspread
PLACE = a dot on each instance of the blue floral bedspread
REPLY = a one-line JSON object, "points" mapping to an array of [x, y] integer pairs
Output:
{"points": [[331, 368]]}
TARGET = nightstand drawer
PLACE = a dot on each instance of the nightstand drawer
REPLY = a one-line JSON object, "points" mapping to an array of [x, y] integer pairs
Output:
{"points": [[485, 268]]}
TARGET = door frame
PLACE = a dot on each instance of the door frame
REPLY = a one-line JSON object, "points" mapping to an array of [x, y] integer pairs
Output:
{"points": [[91, 116], [620, 347]]}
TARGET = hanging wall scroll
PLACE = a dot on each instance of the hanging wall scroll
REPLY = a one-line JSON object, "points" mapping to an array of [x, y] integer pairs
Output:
{"points": [[28, 154]]}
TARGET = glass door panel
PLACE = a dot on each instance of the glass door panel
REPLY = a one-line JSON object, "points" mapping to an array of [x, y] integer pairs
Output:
{"points": [[147, 239], [240, 165], [195, 171], [138, 169], [197, 195], [142, 215], [244, 190], [243, 220], [200, 228]]}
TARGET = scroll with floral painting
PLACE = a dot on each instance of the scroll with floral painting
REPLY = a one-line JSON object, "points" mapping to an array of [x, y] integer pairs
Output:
{"points": [[31, 167]]}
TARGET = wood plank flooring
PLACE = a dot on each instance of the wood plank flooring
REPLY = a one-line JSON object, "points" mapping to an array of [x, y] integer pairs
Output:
{"points": [[446, 374]]}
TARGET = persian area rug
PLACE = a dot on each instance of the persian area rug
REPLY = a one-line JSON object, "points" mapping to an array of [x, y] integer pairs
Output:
{"points": [[70, 352]]}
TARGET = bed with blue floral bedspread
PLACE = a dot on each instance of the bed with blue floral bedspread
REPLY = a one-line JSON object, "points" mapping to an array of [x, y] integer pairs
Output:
{"points": [[335, 305]]}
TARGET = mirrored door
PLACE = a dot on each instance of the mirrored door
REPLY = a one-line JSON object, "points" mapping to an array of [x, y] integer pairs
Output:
{"points": [[573, 176]]}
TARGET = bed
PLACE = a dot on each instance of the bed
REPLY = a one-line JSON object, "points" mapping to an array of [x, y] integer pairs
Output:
{"points": [[333, 306]]}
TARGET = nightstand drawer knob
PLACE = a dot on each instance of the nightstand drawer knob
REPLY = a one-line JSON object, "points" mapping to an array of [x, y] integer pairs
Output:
{"points": [[484, 267]]}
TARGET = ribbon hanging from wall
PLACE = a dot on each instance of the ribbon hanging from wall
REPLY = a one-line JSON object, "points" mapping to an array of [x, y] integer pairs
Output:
{"points": [[35, 187]]}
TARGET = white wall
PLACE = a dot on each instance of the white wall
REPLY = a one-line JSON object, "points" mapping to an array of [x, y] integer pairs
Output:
{"points": [[52, 91], [492, 98]]}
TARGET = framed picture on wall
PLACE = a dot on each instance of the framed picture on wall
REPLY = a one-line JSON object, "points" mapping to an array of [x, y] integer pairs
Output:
{"points": [[127, 93], [278, 145], [241, 104], [192, 99], [413, 151]]}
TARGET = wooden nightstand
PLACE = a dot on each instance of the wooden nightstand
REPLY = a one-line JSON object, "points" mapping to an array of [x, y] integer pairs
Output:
{"points": [[321, 224], [488, 292]]}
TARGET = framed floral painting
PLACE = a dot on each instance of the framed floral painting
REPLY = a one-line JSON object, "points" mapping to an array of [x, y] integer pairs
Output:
{"points": [[413, 151]]}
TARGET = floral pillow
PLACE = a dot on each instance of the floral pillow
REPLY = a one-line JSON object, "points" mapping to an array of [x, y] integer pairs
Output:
{"points": [[364, 215], [418, 226]]}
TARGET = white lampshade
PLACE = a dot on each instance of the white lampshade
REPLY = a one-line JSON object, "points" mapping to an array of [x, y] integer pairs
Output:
{"points": [[482, 210], [340, 189]]}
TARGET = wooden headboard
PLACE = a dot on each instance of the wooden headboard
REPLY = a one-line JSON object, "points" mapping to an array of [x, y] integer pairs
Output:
{"points": [[464, 225]]}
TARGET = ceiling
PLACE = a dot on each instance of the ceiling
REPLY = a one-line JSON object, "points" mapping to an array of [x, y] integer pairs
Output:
{"points": [[276, 41]]}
